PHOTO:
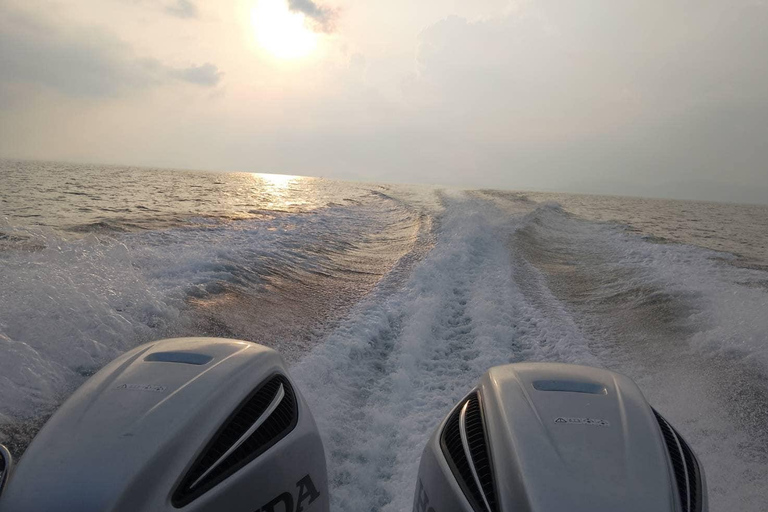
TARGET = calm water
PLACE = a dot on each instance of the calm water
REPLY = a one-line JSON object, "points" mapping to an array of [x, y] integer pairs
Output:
{"points": [[389, 301]]}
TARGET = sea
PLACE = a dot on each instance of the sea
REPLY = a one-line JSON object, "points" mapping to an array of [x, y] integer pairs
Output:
{"points": [[388, 302]]}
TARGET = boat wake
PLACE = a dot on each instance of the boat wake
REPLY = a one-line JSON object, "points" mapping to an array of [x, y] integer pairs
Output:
{"points": [[380, 382], [510, 281]]}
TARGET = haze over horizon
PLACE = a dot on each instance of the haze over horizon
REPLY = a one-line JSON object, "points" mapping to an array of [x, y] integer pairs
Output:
{"points": [[631, 98]]}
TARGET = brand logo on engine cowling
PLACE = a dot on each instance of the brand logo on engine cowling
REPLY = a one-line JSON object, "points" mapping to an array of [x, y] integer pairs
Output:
{"points": [[595, 422], [305, 492], [142, 387]]}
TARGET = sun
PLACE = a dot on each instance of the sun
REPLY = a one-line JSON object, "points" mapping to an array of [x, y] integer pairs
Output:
{"points": [[282, 32]]}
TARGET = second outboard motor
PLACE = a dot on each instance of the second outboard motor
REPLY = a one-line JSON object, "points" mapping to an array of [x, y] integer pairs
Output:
{"points": [[542, 437], [191, 424]]}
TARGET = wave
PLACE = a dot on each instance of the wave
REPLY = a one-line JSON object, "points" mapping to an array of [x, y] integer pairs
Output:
{"points": [[681, 320], [501, 287], [74, 304], [98, 227]]}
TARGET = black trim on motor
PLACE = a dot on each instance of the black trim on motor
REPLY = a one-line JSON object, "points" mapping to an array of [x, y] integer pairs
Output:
{"points": [[6, 462], [281, 422], [453, 450], [687, 472]]}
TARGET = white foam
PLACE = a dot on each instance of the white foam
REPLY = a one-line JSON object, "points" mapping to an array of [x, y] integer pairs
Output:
{"points": [[728, 321], [381, 383], [702, 362], [72, 305]]}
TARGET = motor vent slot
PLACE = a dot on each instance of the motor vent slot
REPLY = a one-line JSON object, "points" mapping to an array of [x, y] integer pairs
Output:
{"points": [[684, 465], [464, 442], [237, 442]]}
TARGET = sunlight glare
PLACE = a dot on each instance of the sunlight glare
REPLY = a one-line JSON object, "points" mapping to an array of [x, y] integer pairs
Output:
{"points": [[277, 181], [280, 31], [277, 192]]}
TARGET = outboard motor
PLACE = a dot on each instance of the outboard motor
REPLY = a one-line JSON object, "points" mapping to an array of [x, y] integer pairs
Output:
{"points": [[540, 437], [191, 424]]}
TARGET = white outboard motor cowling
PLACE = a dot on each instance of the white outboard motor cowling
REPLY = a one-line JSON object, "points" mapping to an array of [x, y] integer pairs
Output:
{"points": [[189, 424], [543, 437]]}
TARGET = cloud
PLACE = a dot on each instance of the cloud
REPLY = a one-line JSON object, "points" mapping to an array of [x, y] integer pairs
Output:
{"points": [[323, 16], [183, 9], [207, 75], [628, 92], [557, 69], [568, 61], [83, 61]]}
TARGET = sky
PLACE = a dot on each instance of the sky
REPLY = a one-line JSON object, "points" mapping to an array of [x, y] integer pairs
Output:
{"points": [[635, 97]]}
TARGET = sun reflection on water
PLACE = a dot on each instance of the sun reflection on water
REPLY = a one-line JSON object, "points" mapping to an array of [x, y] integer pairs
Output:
{"points": [[279, 190], [277, 181]]}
